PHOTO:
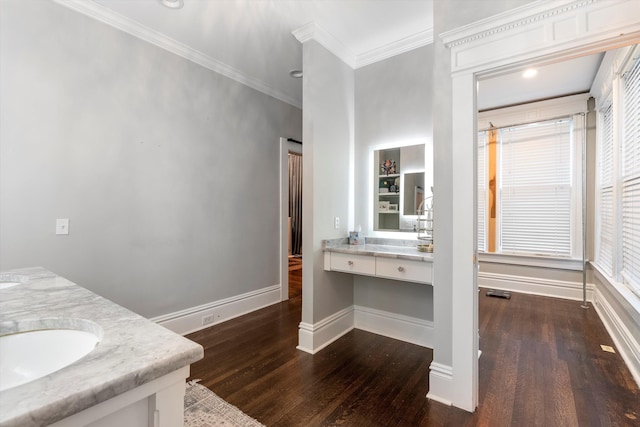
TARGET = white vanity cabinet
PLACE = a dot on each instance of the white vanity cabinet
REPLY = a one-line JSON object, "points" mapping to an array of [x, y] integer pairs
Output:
{"points": [[378, 265], [350, 263], [402, 269]]}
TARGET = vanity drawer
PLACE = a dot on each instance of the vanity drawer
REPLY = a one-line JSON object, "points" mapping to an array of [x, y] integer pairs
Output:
{"points": [[359, 264], [402, 269]]}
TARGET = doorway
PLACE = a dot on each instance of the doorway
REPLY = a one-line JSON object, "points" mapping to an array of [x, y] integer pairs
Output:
{"points": [[475, 53], [290, 217], [295, 224]]}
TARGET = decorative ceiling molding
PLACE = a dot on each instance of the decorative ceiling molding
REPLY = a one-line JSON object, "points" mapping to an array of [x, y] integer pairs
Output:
{"points": [[510, 20], [312, 31], [134, 28], [406, 44], [526, 34]]}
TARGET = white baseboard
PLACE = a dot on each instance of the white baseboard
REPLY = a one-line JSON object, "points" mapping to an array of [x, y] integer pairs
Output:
{"points": [[313, 338], [392, 325], [440, 383], [627, 346], [535, 286], [191, 319]]}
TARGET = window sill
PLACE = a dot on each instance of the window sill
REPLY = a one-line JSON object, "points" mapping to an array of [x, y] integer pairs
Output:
{"points": [[623, 291], [532, 261]]}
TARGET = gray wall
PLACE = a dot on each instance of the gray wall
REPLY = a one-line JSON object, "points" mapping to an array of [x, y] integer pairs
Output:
{"points": [[168, 171], [393, 104], [328, 88]]}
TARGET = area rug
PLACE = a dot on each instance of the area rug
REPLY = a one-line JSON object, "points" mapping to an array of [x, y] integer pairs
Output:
{"points": [[203, 408]]}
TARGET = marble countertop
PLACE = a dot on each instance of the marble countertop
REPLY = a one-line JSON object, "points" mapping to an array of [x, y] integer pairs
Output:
{"points": [[133, 350], [388, 248]]}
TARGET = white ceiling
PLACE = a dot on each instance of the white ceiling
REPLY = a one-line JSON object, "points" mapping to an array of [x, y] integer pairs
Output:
{"points": [[252, 42], [253, 37], [561, 78]]}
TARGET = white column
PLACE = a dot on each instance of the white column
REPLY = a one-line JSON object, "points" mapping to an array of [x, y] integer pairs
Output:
{"points": [[464, 288]]}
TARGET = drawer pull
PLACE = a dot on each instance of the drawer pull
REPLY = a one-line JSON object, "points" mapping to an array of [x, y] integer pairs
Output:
{"points": [[350, 262], [401, 269]]}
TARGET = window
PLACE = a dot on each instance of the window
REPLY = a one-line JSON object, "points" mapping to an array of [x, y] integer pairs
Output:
{"points": [[529, 179], [618, 164], [604, 255], [630, 162], [535, 188], [482, 188]]}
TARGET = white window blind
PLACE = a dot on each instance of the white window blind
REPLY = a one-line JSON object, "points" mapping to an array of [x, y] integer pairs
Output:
{"points": [[535, 188], [630, 150], [482, 189], [605, 235]]}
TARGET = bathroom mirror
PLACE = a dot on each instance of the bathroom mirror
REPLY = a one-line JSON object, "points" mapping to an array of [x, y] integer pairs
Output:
{"points": [[399, 187], [413, 192]]}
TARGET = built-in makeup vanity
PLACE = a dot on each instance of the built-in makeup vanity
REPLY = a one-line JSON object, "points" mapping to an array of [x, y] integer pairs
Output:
{"points": [[386, 258]]}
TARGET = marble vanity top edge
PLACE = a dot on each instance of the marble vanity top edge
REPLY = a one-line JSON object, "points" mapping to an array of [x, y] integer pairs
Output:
{"points": [[378, 247], [133, 350]]}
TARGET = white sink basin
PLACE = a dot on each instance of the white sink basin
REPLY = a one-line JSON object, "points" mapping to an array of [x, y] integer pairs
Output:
{"points": [[27, 356]]}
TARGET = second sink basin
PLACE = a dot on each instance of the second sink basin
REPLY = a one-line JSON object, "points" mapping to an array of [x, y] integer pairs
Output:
{"points": [[29, 355]]}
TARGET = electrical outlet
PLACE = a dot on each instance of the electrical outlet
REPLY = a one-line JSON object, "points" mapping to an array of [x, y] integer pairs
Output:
{"points": [[209, 318], [336, 222]]}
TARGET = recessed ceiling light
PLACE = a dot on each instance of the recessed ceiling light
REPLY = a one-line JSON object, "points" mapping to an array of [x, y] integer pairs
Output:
{"points": [[296, 74], [172, 4], [529, 73]]}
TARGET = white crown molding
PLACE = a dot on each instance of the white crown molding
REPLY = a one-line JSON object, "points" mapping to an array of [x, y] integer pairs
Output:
{"points": [[109, 17], [509, 20], [397, 47], [313, 31]]}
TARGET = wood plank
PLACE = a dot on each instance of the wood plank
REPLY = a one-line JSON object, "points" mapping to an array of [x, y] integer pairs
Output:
{"points": [[541, 365]]}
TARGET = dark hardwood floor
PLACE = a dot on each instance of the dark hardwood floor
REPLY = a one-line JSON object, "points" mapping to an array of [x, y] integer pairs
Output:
{"points": [[541, 365]]}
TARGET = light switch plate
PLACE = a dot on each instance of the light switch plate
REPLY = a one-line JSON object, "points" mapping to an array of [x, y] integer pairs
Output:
{"points": [[62, 226], [336, 222]]}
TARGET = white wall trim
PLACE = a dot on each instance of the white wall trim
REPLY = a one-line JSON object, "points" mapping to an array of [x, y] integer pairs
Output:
{"points": [[392, 325], [510, 20], [531, 260], [534, 111], [542, 28], [628, 347], [440, 383], [535, 286], [136, 29], [406, 44], [190, 320], [313, 338], [612, 66], [313, 31]]}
